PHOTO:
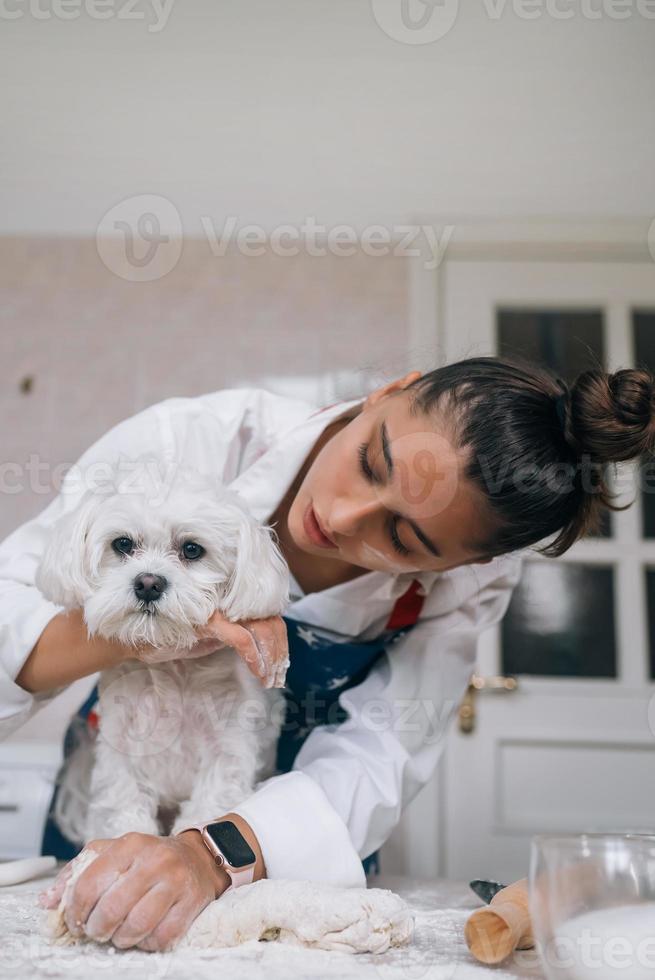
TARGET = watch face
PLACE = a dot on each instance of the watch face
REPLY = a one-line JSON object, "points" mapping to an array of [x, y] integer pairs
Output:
{"points": [[232, 843]]}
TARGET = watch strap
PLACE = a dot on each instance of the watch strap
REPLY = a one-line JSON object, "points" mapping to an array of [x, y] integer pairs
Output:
{"points": [[237, 876]]}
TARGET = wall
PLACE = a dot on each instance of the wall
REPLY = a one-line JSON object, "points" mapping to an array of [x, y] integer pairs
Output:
{"points": [[93, 348], [275, 111]]}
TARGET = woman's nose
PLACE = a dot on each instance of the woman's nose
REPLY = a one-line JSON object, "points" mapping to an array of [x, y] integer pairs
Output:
{"points": [[349, 517]]}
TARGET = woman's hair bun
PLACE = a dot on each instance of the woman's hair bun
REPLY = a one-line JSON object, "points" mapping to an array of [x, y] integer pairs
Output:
{"points": [[612, 416]]}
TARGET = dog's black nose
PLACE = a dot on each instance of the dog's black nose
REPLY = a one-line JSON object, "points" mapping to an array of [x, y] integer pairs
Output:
{"points": [[149, 588]]}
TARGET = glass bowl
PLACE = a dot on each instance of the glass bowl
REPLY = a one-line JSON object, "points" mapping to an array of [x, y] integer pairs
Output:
{"points": [[592, 905]]}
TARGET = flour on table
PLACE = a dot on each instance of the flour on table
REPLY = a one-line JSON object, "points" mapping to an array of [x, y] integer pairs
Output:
{"points": [[301, 913]]}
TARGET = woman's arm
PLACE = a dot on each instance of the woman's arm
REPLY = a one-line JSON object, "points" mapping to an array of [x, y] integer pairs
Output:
{"points": [[165, 883], [64, 653], [351, 782]]}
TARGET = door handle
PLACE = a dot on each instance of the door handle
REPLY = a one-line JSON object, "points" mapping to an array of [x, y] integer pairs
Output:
{"points": [[467, 709]]}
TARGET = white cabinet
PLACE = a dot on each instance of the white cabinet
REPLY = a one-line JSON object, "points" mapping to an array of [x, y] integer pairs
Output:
{"points": [[27, 773]]}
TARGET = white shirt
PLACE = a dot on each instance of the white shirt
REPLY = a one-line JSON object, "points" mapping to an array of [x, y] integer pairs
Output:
{"points": [[350, 782]]}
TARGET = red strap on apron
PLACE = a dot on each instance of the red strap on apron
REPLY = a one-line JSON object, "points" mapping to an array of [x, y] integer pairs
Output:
{"points": [[407, 608]]}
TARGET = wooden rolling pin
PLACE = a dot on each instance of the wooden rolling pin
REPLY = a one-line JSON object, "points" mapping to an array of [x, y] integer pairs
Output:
{"points": [[493, 932]]}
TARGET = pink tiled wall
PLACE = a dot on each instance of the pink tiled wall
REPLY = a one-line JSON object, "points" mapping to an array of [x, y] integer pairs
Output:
{"points": [[98, 348]]}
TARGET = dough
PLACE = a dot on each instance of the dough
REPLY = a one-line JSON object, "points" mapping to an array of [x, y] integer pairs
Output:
{"points": [[302, 913]]}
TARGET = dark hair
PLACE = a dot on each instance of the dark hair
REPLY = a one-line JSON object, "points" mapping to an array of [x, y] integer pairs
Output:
{"points": [[540, 460]]}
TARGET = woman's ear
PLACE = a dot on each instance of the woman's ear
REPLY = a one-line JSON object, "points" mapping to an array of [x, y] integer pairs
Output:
{"points": [[374, 396], [410, 378], [63, 575], [259, 584]]}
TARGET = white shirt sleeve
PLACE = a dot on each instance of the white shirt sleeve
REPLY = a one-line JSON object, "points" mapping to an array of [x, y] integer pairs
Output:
{"points": [[351, 782]]}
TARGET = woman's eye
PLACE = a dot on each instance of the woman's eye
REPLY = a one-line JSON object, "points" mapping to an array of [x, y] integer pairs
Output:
{"points": [[395, 540], [369, 475], [123, 546], [362, 452], [191, 551]]}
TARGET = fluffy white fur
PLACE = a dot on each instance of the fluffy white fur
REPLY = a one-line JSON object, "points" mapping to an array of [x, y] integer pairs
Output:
{"points": [[185, 739]]}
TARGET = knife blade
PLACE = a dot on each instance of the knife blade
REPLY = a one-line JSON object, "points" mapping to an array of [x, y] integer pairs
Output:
{"points": [[486, 889]]}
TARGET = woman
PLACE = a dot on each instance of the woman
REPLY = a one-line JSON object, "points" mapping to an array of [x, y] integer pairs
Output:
{"points": [[401, 517]]}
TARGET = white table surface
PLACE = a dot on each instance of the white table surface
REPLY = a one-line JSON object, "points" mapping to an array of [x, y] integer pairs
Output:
{"points": [[437, 951]]}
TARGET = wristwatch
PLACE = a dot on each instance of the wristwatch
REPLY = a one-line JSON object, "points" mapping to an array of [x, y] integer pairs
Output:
{"points": [[229, 848]]}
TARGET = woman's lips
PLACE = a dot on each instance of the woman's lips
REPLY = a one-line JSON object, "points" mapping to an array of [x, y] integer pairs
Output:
{"points": [[313, 530]]}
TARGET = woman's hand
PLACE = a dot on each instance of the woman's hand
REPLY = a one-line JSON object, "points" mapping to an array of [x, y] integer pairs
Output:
{"points": [[141, 890], [262, 643], [147, 654]]}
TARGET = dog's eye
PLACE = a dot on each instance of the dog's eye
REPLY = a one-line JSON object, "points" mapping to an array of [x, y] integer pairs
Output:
{"points": [[191, 551], [123, 546]]}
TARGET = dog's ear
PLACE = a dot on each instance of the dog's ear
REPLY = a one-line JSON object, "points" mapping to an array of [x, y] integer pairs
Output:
{"points": [[64, 572], [259, 583]]}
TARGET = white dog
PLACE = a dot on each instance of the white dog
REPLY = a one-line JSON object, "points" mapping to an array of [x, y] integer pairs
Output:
{"points": [[150, 560]]}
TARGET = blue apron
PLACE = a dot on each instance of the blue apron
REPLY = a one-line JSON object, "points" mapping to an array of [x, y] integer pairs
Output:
{"points": [[323, 664]]}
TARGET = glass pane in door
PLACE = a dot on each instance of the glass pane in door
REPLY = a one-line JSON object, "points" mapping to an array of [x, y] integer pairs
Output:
{"points": [[643, 326], [565, 341], [650, 594], [560, 621]]}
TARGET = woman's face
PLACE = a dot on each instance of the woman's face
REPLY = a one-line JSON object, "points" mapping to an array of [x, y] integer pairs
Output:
{"points": [[386, 490]]}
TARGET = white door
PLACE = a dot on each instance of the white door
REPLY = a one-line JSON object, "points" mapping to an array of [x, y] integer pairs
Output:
{"points": [[573, 747]]}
